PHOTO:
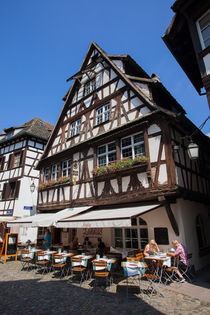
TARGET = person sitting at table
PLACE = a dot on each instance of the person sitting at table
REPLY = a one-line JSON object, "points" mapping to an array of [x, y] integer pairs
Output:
{"points": [[74, 243], [101, 247], [181, 254], [151, 248], [86, 244], [47, 239]]}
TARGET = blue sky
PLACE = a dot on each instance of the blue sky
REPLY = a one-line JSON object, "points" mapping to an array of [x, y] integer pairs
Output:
{"points": [[43, 43]]}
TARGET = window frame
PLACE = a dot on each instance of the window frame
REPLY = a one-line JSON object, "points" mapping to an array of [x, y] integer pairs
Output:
{"points": [[46, 175], [74, 131], [54, 172], [200, 35], [67, 168], [103, 114], [138, 227], [106, 154], [16, 158], [132, 145], [89, 86]]}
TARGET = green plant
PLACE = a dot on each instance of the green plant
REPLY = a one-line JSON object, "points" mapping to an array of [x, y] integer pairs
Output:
{"points": [[119, 165]]}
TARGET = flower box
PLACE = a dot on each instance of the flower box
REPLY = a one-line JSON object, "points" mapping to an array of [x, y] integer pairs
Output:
{"points": [[51, 183]]}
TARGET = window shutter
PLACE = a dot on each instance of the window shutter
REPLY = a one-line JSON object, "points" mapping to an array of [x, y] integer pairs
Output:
{"points": [[10, 161], [2, 163], [17, 188], [22, 156], [4, 191]]}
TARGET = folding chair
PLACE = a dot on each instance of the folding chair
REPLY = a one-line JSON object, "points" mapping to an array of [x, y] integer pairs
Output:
{"points": [[27, 259], [140, 256], [78, 269], [154, 279], [43, 262], [186, 272], [59, 263], [101, 274]]}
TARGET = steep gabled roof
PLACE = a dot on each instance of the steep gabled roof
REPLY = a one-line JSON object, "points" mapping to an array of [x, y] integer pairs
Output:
{"points": [[36, 127], [109, 60]]}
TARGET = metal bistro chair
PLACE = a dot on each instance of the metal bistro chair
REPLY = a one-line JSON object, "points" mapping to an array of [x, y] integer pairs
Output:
{"points": [[153, 279], [43, 262], [186, 272], [59, 263], [78, 269], [27, 259], [101, 273]]}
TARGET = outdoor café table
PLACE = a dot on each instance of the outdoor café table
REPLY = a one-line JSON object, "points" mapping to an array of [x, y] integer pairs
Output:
{"points": [[109, 261], [85, 259], [132, 269], [159, 261]]}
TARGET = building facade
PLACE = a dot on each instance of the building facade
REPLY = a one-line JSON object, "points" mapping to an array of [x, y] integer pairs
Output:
{"points": [[20, 149], [188, 39], [119, 147]]}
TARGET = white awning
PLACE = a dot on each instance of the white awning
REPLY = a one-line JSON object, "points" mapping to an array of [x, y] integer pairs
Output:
{"points": [[5, 218], [46, 219], [120, 217]]}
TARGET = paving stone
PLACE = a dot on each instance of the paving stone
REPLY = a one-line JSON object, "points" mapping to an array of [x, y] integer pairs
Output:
{"points": [[26, 292]]}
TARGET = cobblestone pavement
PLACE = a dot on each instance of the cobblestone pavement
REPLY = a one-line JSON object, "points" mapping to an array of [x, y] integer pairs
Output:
{"points": [[26, 292]]}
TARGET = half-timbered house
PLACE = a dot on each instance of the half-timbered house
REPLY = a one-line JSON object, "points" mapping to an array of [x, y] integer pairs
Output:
{"points": [[119, 147], [20, 149]]}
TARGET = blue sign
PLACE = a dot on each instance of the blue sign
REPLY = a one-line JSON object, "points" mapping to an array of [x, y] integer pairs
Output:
{"points": [[9, 212], [27, 208]]}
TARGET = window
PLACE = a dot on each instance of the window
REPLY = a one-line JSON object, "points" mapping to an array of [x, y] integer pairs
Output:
{"points": [[17, 157], [200, 230], [102, 114], [75, 128], [132, 146], [66, 168], [161, 236], [89, 87], [106, 154], [54, 172], [11, 190], [118, 238], [203, 26], [134, 237], [46, 175]]}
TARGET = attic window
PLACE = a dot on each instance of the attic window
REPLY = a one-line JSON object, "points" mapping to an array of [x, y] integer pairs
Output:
{"points": [[9, 134], [203, 26], [41, 123], [89, 87]]}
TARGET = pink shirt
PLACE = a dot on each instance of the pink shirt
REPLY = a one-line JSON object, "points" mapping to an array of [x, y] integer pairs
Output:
{"points": [[182, 253]]}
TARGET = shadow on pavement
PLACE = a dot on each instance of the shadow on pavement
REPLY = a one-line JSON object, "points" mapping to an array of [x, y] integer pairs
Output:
{"points": [[35, 296]]}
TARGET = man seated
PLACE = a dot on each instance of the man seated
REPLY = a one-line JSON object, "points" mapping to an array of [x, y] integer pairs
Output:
{"points": [[181, 254]]}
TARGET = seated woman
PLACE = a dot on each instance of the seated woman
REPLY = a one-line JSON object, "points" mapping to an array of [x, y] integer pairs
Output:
{"points": [[151, 247], [74, 244]]}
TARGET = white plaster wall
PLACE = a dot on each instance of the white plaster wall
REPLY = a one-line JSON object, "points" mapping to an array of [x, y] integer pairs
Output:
{"points": [[186, 212], [154, 144]]}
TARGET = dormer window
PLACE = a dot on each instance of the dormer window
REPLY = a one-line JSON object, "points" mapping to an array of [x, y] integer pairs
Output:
{"points": [[203, 26], [9, 134], [89, 87], [102, 114], [75, 128]]}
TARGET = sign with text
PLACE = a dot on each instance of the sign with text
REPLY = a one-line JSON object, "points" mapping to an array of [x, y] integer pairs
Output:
{"points": [[94, 232], [9, 247]]}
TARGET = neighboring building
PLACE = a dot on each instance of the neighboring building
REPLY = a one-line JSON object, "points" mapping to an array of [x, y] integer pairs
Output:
{"points": [[188, 39], [113, 149], [20, 149]]}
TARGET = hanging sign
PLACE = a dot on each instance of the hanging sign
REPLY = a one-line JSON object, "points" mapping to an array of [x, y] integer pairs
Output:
{"points": [[9, 247]]}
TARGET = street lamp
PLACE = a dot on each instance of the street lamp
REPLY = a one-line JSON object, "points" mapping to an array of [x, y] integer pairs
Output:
{"points": [[193, 150], [32, 187]]}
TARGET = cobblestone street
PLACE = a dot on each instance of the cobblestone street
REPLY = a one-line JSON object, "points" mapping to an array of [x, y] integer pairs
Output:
{"points": [[26, 292]]}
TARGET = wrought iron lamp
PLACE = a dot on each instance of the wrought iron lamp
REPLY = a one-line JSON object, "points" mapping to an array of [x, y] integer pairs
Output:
{"points": [[32, 187]]}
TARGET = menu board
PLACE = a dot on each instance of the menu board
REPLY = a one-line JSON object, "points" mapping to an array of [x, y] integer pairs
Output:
{"points": [[9, 247]]}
